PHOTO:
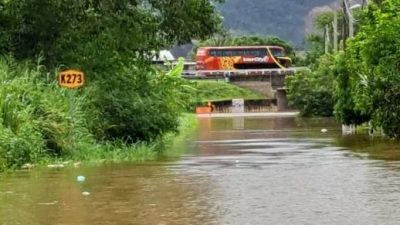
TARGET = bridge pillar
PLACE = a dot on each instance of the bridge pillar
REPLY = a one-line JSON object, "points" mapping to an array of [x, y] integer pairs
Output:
{"points": [[281, 100]]}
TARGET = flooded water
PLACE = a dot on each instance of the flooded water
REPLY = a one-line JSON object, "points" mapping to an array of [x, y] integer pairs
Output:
{"points": [[237, 171]]}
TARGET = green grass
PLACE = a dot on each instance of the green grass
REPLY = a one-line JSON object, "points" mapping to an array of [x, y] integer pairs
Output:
{"points": [[220, 90], [170, 146], [36, 127]]}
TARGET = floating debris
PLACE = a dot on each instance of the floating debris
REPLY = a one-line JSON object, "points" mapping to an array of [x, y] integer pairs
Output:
{"points": [[56, 166], [81, 178], [48, 203], [27, 166], [85, 193], [77, 164], [324, 130]]}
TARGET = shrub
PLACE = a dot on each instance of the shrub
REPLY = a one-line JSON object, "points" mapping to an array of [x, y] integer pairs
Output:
{"points": [[20, 140], [34, 119], [146, 104], [312, 91]]}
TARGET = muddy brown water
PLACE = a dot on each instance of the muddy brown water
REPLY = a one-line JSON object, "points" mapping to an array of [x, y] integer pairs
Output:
{"points": [[235, 171]]}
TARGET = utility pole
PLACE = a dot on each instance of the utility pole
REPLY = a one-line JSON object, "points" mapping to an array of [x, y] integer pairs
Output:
{"points": [[335, 29], [344, 24], [351, 26], [327, 39], [364, 3], [349, 14]]}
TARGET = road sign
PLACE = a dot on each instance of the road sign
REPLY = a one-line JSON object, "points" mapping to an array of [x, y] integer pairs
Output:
{"points": [[71, 79], [237, 105]]}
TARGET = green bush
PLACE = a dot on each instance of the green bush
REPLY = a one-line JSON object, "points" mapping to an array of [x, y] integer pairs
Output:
{"points": [[124, 99], [346, 109], [20, 140], [34, 119], [312, 91], [368, 72], [137, 103]]}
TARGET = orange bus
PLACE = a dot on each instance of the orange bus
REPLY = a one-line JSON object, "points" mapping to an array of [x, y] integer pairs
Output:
{"points": [[242, 57]]}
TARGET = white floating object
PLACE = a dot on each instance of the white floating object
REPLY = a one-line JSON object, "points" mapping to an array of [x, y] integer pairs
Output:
{"points": [[85, 193], [80, 178], [48, 203], [55, 166], [237, 161], [324, 130], [27, 166]]}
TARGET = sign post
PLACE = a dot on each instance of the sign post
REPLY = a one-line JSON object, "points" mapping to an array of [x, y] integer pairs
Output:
{"points": [[237, 105], [71, 79]]}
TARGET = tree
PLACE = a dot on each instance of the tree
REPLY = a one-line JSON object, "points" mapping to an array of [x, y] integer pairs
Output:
{"points": [[73, 31], [345, 109], [312, 91], [373, 67], [113, 42]]}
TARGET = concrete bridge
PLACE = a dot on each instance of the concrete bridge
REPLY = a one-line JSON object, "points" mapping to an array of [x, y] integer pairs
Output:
{"points": [[269, 82]]}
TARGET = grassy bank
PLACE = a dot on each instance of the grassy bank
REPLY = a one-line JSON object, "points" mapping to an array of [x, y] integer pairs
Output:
{"points": [[41, 123], [220, 90], [136, 152]]}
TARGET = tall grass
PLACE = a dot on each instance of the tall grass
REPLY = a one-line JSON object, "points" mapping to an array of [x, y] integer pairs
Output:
{"points": [[35, 119], [20, 140], [128, 117]]}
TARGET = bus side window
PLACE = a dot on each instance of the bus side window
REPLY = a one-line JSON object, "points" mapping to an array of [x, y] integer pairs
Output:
{"points": [[228, 53], [239, 53], [277, 52], [219, 53], [264, 52], [213, 53], [255, 53]]}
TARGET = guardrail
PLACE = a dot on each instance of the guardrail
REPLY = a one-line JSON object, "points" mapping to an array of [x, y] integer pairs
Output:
{"points": [[198, 74]]}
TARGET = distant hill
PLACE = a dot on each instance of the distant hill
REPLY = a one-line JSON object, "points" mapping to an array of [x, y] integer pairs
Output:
{"points": [[286, 19]]}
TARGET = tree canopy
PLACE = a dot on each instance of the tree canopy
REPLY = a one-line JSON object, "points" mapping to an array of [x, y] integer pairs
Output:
{"points": [[373, 65], [74, 31]]}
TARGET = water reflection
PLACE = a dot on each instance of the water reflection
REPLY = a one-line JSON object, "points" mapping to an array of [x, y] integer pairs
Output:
{"points": [[286, 171], [237, 171], [146, 194]]}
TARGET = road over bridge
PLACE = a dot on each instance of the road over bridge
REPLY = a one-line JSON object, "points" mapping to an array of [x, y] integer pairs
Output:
{"points": [[268, 82]]}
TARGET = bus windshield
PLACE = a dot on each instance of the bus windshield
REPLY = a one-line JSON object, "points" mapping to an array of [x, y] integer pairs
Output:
{"points": [[277, 52]]}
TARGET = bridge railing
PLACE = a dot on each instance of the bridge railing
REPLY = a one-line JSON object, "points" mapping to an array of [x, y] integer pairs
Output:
{"points": [[246, 72]]}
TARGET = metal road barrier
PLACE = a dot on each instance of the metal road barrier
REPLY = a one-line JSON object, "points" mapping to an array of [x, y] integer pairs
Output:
{"points": [[204, 74]]}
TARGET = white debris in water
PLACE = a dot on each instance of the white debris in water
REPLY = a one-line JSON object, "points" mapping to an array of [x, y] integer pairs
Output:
{"points": [[324, 130], [55, 166], [48, 203], [85, 193], [80, 178], [27, 166], [237, 161]]}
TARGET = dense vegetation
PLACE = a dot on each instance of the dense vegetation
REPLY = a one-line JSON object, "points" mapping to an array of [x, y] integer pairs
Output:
{"points": [[366, 74], [310, 92], [227, 39], [125, 100]]}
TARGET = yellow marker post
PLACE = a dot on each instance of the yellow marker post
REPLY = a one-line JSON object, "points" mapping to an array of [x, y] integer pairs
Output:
{"points": [[71, 79]]}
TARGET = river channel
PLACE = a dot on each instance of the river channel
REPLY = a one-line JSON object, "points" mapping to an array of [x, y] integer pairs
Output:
{"points": [[234, 171]]}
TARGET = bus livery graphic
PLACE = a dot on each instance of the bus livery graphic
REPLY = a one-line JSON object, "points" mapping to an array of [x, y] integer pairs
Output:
{"points": [[242, 57]]}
